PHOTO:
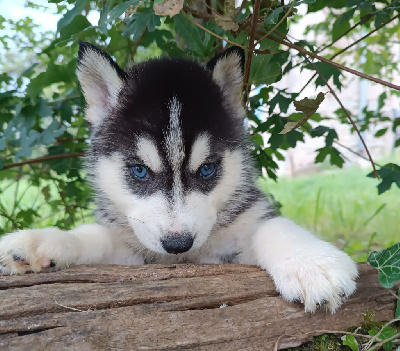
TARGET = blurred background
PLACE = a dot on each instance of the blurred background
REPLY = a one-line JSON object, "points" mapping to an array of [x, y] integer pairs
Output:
{"points": [[317, 176]]}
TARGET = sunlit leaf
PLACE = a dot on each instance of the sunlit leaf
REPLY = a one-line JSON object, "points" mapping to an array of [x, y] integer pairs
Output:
{"points": [[387, 262]]}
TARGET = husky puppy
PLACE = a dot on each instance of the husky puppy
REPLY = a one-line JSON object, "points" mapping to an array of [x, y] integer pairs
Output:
{"points": [[170, 163]]}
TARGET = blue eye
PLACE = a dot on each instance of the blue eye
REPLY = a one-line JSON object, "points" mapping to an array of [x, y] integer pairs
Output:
{"points": [[140, 171], [207, 170]]}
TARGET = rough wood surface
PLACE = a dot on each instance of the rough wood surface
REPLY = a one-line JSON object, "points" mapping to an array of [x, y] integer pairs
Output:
{"points": [[159, 307]]}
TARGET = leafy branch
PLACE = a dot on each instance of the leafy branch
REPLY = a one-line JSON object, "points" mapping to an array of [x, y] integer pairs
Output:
{"points": [[347, 114], [252, 45], [351, 45], [42, 159], [334, 64]]}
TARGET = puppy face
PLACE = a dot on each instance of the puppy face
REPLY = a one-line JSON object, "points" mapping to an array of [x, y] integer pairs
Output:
{"points": [[166, 150]]}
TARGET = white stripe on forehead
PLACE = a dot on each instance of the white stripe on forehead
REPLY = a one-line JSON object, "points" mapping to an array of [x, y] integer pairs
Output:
{"points": [[173, 139], [200, 152], [147, 151], [174, 144]]}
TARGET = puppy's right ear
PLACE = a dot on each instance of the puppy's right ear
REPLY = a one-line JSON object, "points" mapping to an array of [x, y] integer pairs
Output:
{"points": [[101, 80]]}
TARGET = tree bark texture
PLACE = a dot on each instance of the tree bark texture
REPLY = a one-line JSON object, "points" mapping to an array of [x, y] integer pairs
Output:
{"points": [[161, 307]]}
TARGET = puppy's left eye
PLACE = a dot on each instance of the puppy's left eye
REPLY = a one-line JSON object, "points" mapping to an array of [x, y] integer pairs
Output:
{"points": [[207, 169], [140, 171]]}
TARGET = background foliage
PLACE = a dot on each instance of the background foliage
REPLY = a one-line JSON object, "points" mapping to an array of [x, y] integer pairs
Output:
{"points": [[43, 134]]}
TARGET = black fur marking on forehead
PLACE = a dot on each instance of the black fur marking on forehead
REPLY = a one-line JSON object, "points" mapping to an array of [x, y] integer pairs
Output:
{"points": [[144, 111], [147, 93]]}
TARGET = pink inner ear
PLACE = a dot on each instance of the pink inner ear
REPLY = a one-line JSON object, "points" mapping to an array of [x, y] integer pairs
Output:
{"points": [[104, 95]]}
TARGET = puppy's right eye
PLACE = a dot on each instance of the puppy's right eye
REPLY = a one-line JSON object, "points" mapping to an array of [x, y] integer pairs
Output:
{"points": [[141, 172], [207, 169]]}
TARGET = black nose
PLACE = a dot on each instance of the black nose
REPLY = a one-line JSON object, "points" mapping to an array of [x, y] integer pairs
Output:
{"points": [[177, 243]]}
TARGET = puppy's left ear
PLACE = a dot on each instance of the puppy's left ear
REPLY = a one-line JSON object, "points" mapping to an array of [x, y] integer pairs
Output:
{"points": [[101, 80], [227, 71]]}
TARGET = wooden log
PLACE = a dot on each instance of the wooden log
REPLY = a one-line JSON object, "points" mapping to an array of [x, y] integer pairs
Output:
{"points": [[176, 307]]}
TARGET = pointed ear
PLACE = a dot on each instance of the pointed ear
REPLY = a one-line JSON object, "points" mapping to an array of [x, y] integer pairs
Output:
{"points": [[227, 71], [101, 80]]}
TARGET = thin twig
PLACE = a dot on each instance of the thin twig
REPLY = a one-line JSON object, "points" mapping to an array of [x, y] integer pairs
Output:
{"points": [[370, 342], [212, 33], [345, 33], [344, 68], [394, 294], [347, 114], [42, 159], [252, 45], [266, 51], [278, 24], [317, 332], [61, 140], [198, 14], [377, 346], [363, 37], [363, 20], [355, 153], [351, 45], [10, 218]]}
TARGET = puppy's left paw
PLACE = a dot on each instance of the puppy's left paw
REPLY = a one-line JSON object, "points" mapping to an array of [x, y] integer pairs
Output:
{"points": [[324, 278]]}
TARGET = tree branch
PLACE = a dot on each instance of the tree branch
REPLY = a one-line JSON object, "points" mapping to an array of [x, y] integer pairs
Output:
{"points": [[347, 114], [278, 24], [198, 14], [370, 342], [346, 32], [42, 159], [212, 33], [355, 153], [351, 45], [337, 65], [252, 44]]}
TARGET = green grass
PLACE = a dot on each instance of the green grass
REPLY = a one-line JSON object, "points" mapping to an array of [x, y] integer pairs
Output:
{"points": [[342, 206]]}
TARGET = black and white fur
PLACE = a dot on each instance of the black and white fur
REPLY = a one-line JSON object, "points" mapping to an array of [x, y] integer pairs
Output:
{"points": [[173, 116]]}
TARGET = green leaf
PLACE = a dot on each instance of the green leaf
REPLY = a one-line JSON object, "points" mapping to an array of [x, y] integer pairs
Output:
{"points": [[338, 31], [397, 313], [138, 22], [350, 341], [281, 100], [387, 262], [346, 17], [53, 74], [263, 72], [381, 17], [272, 17], [121, 9], [319, 131], [78, 24], [385, 334], [70, 15], [328, 72], [3, 144], [389, 173], [190, 34], [257, 138], [381, 132], [50, 134], [335, 156]]}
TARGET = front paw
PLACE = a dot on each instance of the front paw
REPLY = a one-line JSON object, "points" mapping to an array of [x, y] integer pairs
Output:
{"points": [[325, 278], [36, 251]]}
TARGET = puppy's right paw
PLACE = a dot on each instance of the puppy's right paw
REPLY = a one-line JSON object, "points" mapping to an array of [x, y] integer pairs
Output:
{"points": [[38, 250]]}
